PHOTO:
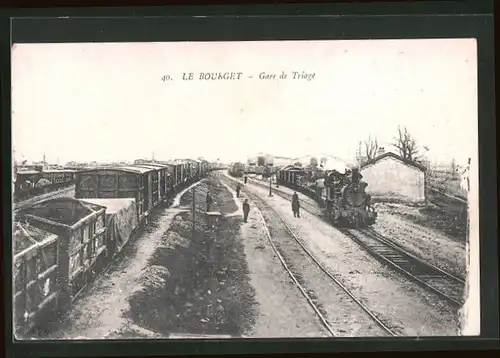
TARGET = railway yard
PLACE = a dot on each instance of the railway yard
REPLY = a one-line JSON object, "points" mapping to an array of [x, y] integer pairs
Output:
{"points": [[274, 276], [152, 201]]}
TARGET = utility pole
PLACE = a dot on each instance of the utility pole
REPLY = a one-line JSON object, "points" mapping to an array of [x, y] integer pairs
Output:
{"points": [[270, 182], [194, 211]]}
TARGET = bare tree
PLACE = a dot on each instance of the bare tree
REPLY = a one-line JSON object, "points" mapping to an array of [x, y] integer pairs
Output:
{"points": [[371, 147], [406, 144]]}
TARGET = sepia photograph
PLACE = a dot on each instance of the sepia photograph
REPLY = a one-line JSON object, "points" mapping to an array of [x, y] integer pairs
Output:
{"points": [[245, 189]]}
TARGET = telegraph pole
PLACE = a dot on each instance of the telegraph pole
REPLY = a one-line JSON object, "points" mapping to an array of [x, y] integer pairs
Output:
{"points": [[194, 211], [270, 181]]}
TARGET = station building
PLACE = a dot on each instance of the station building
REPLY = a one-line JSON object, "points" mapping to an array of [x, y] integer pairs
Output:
{"points": [[389, 176]]}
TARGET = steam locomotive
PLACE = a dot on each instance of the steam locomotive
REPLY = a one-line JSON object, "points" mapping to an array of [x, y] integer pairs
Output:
{"points": [[237, 169], [343, 195]]}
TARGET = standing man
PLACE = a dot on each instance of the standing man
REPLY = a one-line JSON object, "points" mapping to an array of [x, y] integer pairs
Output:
{"points": [[295, 205], [238, 188], [209, 202], [246, 179], [246, 210]]}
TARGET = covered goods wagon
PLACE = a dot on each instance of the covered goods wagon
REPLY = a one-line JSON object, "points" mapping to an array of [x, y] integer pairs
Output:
{"points": [[121, 222], [161, 182], [136, 182]]}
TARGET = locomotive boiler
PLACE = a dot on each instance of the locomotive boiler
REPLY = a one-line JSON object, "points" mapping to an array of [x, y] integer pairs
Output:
{"points": [[346, 200]]}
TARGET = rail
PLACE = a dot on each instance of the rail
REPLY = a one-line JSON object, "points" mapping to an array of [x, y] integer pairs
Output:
{"points": [[449, 196], [434, 279], [319, 265]]}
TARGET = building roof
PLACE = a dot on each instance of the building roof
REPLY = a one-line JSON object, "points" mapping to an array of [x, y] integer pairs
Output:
{"points": [[330, 162], [396, 157]]}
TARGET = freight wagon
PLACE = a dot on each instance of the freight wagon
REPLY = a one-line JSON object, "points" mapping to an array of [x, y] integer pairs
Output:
{"points": [[133, 181], [59, 245], [30, 183]]}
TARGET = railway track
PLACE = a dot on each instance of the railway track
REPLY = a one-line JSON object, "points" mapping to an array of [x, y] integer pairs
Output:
{"points": [[313, 209], [363, 316], [434, 279], [37, 199], [386, 250]]}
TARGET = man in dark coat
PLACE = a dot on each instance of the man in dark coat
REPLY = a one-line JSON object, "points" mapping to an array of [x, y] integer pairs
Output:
{"points": [[209, 202], [246, 210], [295, 205], [246, 179], [238, 188]]}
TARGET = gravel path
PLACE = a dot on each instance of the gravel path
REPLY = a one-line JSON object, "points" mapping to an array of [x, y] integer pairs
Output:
{"points": [[409, 308]]}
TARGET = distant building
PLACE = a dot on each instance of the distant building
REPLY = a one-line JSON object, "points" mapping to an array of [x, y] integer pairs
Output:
{"points": [[282, 161], [389, 176], [322, 162]]}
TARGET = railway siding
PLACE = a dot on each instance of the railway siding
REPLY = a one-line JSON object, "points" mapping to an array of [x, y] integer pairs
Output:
{"points": [[342, 314], [283, 311], [380, 289], [169, 284], [429, 244]]}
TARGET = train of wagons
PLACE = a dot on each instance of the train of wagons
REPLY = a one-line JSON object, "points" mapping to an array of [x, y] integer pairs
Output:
{"points": [[148, 182], [62, 244], [38, 180], [343, 196], [237, 169], [263, 170]]}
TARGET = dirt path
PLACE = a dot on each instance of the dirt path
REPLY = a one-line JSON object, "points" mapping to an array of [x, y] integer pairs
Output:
{"points": [[408, 307]]}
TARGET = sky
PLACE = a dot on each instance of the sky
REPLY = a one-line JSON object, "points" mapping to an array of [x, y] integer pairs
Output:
{"points": [[107, 101]]}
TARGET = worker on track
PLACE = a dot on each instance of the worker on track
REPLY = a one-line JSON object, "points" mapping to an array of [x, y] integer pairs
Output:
{"points": [[246, 210], [295, 205]]}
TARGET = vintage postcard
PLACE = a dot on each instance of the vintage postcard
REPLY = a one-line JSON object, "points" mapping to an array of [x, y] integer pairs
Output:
{"points": [[256, 189]]}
